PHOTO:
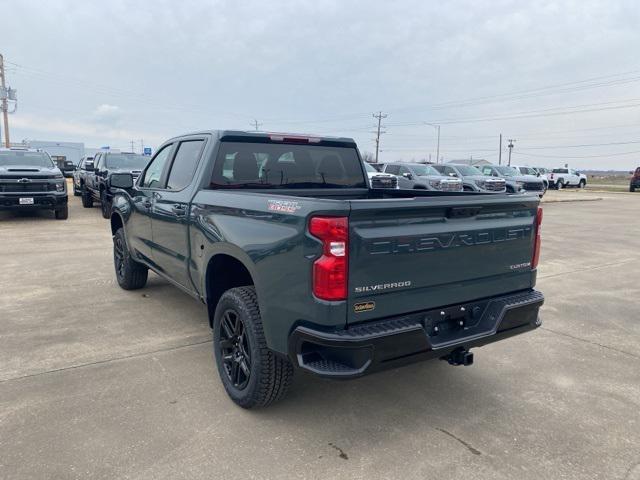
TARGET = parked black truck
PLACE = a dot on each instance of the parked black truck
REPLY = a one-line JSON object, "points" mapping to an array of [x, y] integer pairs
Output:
{"points": [[95, 176], [29, 180], [301, 265]]}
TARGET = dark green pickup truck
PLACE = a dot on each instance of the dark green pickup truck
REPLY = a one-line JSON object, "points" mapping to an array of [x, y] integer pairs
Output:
{"points": [[303, 266]]}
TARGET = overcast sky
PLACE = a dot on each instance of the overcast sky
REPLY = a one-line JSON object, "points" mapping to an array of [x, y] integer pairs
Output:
{"points": [[105, 73]]}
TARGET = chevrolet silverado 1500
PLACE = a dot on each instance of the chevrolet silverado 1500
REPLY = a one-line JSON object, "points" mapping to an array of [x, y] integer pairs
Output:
{"points": [[303, 266]]}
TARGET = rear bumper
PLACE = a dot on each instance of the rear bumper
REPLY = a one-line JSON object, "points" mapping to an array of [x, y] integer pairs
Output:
{"points": [[372, 346], [40, 201]]}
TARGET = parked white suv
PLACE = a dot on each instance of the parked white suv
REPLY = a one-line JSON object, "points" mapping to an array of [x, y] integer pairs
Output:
{"points": [[566, 177]]}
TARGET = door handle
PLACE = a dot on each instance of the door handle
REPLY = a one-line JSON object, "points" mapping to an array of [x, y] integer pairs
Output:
{"points": [[179, 209]]}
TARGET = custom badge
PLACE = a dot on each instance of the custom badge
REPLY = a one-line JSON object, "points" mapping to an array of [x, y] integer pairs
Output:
{"points": [[364, 307], [283, 206]]}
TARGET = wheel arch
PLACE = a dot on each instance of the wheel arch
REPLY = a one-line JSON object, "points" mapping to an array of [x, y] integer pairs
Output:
{"points": [[116, 222], [234, 274]]}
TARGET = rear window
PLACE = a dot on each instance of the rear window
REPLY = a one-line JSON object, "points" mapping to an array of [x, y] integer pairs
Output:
{"points": [[126, 161], [269, 165], [25, 159]]}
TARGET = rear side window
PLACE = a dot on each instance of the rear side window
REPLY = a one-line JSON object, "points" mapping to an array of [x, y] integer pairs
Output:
{"points": [[275, 165], [560, 170], [184, 165]]}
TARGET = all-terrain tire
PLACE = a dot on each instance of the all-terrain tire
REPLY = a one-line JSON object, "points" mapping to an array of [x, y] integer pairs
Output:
{"points": [[87, 199], [560, 184], [270, 375], [76, 192], [62, 213], [130, 274], [582, 184]]}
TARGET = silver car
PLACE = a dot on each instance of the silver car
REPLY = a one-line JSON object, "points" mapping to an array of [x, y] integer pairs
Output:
{"points": [[418, 175], [473, 180]]}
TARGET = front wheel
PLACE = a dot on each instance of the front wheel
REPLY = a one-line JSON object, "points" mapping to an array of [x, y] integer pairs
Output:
{"points": [[252, 375], [130, 274], [582, 184], [62, 213], [76, 192], [87, 199]]}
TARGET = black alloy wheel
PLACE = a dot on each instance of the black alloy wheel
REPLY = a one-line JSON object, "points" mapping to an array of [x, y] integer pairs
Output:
{"points": [[235, 350], [119, 256]]}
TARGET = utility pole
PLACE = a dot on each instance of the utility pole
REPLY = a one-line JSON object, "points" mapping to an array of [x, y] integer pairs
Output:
{"points": [[141, 146], [379, 116], [5, 104], [500, 151], [132, 147], [511, 140], [255, 124], [437, 127]]}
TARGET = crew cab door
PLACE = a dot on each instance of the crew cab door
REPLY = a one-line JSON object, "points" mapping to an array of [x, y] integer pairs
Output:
{"points": [[170, 213], [138, 228]]}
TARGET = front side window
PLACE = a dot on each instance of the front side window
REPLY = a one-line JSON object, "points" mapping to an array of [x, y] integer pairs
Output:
{"points": [[276, 165], [393, 169], [184, 164], [153, 174]]}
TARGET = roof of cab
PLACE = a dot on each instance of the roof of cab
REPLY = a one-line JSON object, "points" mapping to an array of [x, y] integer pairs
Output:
{"points": [[220, 134]]}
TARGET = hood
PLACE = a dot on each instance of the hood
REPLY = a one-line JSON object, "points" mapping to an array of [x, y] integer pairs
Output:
{"points": [[442, 178], [27, 171], [484, 178], [525, 178]]}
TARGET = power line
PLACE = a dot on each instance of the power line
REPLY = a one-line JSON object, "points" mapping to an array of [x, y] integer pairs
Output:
{"points": [[255, 124], [578, 156]]}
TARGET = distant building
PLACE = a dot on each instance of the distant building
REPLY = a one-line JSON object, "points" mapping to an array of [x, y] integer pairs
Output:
{"points": [[59, 151], [474, 162]]}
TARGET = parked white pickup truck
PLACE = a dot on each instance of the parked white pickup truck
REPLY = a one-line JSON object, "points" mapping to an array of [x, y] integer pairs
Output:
{"points": [[566, 177]]}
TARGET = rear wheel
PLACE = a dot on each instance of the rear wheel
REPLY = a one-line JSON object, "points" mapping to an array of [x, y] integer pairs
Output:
{"points": [[252, 375], [105, 204], [632, 188], [87, 199], [62, 213], [130, 274], [560, 184]]}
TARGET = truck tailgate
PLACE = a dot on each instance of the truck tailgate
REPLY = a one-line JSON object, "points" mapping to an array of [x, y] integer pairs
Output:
{"points": [[414, 254]]}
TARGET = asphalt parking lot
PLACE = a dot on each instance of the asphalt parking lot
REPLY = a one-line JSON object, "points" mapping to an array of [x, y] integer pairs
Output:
{"points": [[97, 382]]}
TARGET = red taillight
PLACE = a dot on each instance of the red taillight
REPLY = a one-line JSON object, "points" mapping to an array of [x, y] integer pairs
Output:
{"points": [[537, 240], [330, 270]]}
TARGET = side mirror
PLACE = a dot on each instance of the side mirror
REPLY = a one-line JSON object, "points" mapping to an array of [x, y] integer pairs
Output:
{"points": [[407, 175], [121, 180]]}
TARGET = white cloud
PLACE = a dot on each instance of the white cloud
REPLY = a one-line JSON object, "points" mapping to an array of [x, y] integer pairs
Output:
{"points": [[107, 114]]}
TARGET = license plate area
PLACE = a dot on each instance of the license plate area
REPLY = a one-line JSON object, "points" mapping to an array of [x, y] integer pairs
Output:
{"points": [[449, 324], [25, 201]]}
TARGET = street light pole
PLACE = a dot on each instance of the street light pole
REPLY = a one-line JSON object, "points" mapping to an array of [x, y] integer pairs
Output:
{"points": [[437, 127]]}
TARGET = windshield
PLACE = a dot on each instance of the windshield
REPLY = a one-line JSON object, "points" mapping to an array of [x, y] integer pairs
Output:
{"points": [[423, 170], [275, 165], [467, 171], [25, 159], [126, 161], [506, 171]]}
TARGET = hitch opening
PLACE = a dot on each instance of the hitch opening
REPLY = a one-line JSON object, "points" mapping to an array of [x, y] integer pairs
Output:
{"points": [[460, 356]]}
